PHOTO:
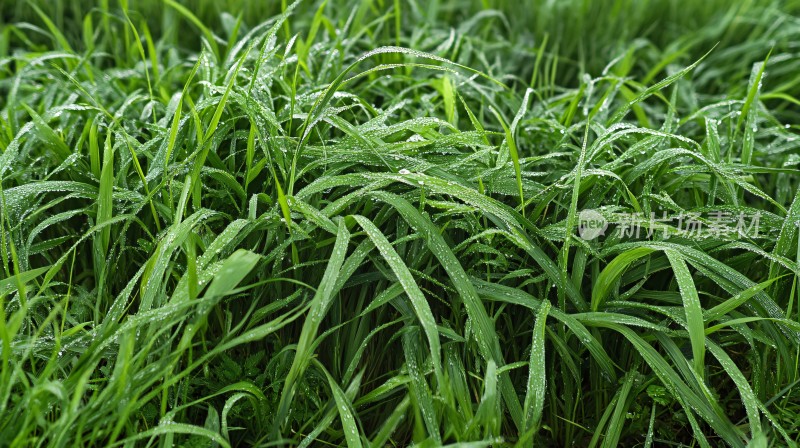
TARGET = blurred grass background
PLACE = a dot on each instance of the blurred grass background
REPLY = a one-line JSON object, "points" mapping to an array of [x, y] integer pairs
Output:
{"points": [[584, 34]]}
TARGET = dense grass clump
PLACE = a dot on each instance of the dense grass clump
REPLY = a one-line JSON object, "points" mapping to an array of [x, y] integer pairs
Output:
{"points": [[366, 223]]}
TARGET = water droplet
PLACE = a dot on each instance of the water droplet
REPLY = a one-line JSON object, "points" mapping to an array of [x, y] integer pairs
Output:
{"points": [[404, 171]]}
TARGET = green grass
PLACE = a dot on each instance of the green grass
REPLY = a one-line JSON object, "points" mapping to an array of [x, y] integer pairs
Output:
{"points": [[356, 223]]}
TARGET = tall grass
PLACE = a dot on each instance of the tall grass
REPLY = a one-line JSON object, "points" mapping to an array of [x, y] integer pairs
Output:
{"points": [[357, 223]]}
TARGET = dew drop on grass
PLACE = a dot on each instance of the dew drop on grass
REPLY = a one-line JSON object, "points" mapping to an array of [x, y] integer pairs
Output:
{"points": [[404, 171]]}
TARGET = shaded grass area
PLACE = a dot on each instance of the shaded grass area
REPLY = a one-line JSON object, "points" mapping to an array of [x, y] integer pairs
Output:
{"points": [[357, 223]]}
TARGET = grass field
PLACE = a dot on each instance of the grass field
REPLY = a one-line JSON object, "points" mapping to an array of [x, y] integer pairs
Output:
{"points": [[373, 223]]}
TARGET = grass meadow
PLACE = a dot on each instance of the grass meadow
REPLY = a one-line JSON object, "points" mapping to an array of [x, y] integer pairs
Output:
{"points": [[386, 223]]}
